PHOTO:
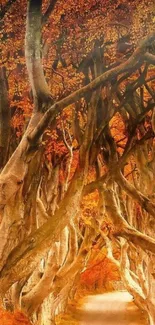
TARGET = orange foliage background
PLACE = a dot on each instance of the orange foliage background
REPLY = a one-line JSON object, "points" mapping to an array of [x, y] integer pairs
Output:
{"points": [[16, 318], [100, 271]]}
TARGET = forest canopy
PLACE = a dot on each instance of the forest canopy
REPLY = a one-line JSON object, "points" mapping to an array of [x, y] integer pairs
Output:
{"points": [[77, 151]]}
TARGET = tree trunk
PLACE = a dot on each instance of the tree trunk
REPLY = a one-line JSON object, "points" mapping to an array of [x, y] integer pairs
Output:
{"points": [[5, 116], [39, 85]]}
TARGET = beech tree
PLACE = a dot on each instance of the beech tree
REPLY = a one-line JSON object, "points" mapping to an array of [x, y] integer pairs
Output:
{"points": [[77, 120]]}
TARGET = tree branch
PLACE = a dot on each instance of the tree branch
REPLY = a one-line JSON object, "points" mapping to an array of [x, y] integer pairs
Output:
{"points": [[48, 12], [136, 57], [143, 200], [149, 58]]}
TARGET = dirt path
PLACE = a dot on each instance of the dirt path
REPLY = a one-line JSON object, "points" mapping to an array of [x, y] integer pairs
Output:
{"points": [[116, 308]]}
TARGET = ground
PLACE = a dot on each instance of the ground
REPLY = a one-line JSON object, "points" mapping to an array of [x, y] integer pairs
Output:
{"points": [[115, 308]]}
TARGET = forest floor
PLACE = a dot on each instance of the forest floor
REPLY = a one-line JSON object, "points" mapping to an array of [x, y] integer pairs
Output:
{"points": [[113, 308]]}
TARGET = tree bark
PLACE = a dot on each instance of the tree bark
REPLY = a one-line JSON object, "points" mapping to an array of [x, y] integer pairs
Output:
{"points": [[5, 117]]}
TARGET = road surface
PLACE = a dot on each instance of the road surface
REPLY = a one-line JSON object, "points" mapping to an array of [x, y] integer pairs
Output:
{"points": [[116, 308]]}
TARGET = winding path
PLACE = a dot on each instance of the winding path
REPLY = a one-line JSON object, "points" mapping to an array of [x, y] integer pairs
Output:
{"points": [[116, 308]]}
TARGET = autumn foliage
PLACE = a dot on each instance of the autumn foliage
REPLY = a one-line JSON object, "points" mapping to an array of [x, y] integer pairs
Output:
{"points": [[100, 271], [16, 318], [77, 162]]}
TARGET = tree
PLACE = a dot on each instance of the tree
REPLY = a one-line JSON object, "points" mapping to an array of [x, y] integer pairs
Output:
{"points": [[84, 123]]}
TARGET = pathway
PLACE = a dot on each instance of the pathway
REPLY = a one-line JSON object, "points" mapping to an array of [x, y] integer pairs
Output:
{"points": [[115, 308]]}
